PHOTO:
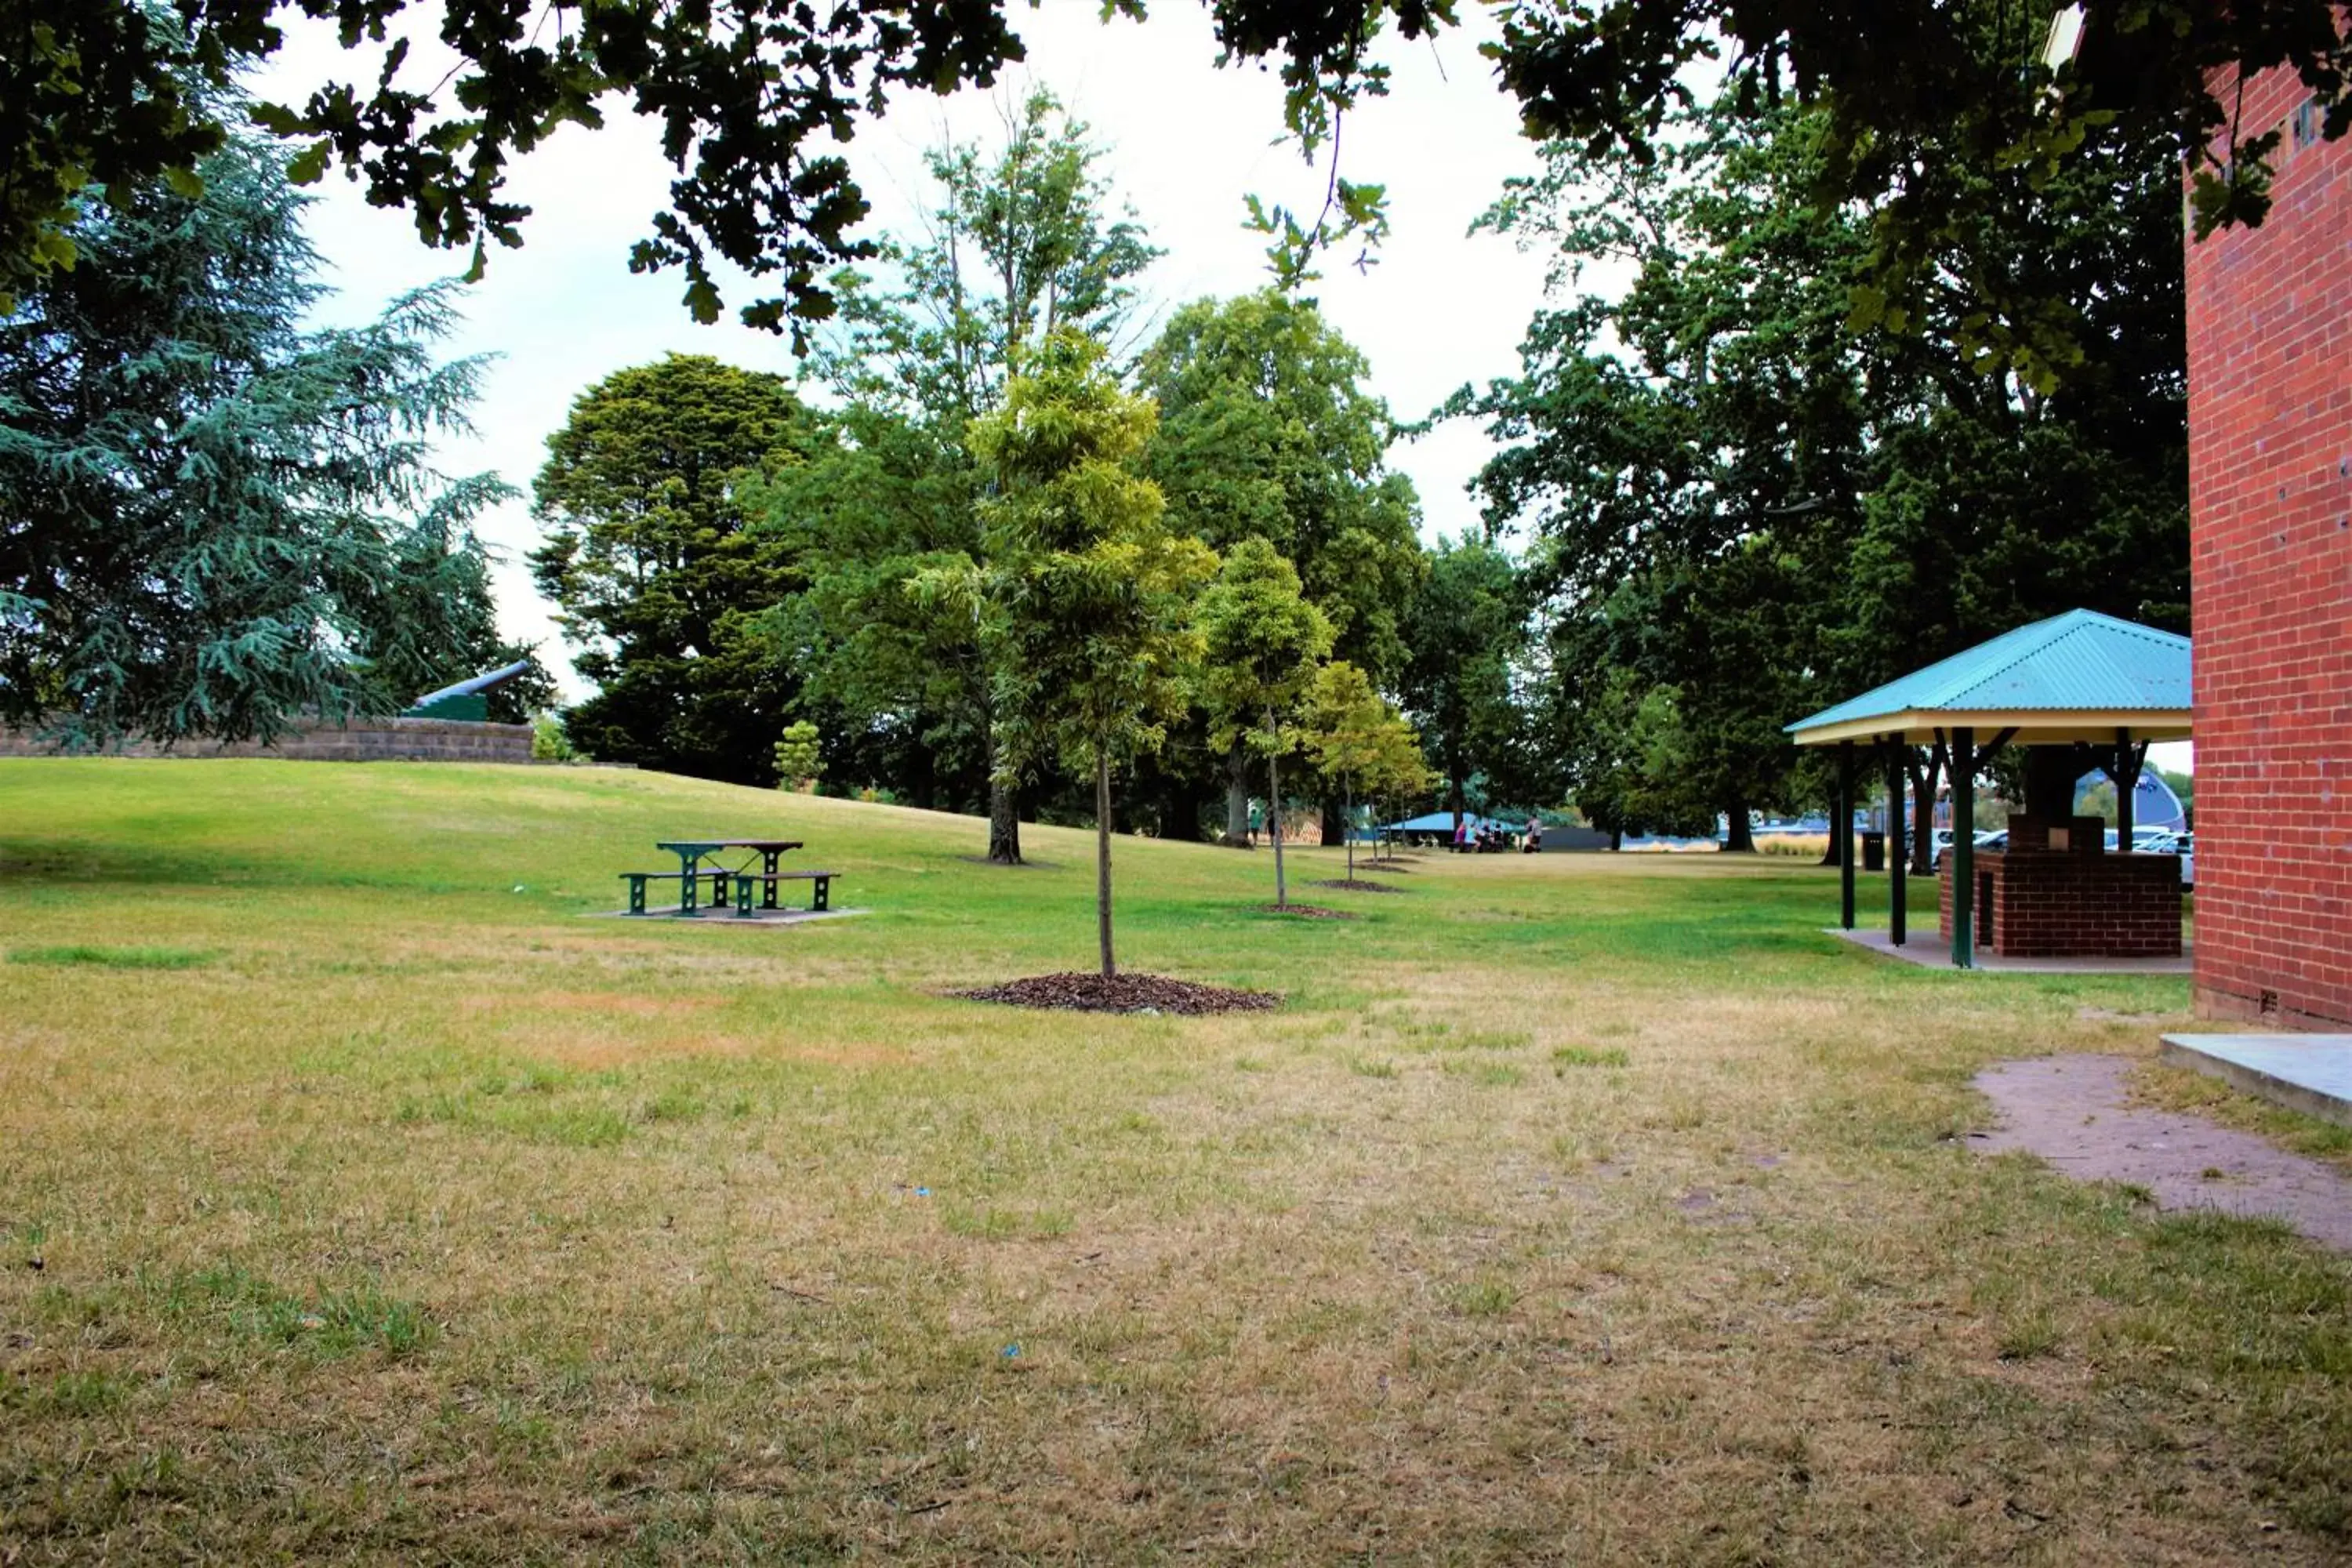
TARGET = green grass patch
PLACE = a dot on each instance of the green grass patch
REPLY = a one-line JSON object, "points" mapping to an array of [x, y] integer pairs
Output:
{"points": [[114, 957]]}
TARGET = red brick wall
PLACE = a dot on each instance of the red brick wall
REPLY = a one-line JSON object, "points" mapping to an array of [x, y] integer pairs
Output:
{"points": [[2051, 903], [2270, 488]]}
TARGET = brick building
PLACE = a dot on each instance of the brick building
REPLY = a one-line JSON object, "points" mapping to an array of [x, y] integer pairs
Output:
{"points": [[2270, 485]]}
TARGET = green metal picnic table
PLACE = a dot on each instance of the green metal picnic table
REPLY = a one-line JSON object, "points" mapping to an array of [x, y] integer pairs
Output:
{"points": [[691, 852]]}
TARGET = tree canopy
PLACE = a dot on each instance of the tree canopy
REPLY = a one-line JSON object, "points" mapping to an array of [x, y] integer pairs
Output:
{"points": [[1742, 510], [1267, 431], [1465, 633], [752, 108], [660, 577]]}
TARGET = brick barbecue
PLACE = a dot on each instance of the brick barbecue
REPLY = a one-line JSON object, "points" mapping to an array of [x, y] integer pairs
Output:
{"points": [[2069, 898]]}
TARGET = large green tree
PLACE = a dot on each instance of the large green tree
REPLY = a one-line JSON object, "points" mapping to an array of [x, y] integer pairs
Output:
{"points": [[214, 520], [1267, 431], [901, 685], [1464, 635], [661, 579], [750, 109], [1086, 593], [1739, 497], [1022, 240]]}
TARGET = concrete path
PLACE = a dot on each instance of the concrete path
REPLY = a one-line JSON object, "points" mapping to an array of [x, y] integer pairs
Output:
{"points": [[1929, 951], [2074, 1112], [2310, 1073]]}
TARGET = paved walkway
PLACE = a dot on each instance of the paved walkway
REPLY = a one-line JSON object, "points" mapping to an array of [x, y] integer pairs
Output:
{"points": [[1929, 951], [2072, 1111]]}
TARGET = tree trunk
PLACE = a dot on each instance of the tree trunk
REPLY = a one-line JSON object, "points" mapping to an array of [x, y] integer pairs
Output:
{"points": [[1003, 823], [1237, 826], [1616, 839], [1102, 857], [1925, 775], [1274, 819], [1455, 781], [1335, 820], [1738, 833], [1349, 810]]}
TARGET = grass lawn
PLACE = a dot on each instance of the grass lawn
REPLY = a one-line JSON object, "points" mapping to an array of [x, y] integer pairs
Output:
{"points": [[359, 1198]]}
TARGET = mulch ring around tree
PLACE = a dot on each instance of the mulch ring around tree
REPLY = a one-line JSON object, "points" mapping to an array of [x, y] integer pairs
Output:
{"points": [[1121, 994], [1304, 912], [1358, 885]]}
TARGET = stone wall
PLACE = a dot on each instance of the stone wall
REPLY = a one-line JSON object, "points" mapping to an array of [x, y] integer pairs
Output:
{"points": [[2270, 492], [375, 741]]}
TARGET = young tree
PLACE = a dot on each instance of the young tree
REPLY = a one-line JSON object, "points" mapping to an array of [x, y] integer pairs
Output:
{"points": [[660, 576], [1354, 737], [1261, 642], [213, 521], [1086, 587], [799, 760]]}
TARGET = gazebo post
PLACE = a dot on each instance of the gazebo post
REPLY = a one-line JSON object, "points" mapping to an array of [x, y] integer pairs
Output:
{"points": [[2125, 774], [1898, 857], [1963, 847], [1842, 825]]}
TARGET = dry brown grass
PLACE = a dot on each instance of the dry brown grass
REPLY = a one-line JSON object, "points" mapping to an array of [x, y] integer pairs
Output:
{"points": [[1572, 1210]]}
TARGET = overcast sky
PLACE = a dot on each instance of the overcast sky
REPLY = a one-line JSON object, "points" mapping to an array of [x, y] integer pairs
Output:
{"points": [[1183, 142]]}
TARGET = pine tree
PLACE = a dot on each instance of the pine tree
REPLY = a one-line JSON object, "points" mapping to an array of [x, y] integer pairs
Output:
{"points": [[213, 522]]}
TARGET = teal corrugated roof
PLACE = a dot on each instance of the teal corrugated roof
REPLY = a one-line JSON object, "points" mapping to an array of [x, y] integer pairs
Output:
{"points": [[2080, 661]]}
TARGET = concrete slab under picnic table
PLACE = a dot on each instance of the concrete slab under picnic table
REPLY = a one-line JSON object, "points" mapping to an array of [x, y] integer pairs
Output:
{"points": [[2310, 1073], [720, 915]]}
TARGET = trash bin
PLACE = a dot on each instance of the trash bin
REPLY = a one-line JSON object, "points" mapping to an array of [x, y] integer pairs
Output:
{"points": [[1874, 851]]}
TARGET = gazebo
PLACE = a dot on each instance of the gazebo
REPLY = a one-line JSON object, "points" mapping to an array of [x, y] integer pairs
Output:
{"points": [[2075, 689]]}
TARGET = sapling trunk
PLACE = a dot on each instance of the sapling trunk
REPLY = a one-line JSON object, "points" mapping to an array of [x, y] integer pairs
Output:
{"points": [[1347, 824], [1274, 812], [1102, 857]]}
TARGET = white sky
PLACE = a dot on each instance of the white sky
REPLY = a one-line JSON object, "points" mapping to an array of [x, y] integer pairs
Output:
{"points": [[1184, 142]]}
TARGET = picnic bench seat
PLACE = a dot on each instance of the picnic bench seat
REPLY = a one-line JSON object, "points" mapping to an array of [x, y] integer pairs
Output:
{"points": [[637, 880], [820, 890]]}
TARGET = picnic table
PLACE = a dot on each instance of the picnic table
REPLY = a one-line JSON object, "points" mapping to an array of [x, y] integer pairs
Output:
{"points": [[692, 852]]}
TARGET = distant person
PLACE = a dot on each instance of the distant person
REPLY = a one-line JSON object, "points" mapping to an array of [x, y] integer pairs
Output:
{"points": [[1461, 834], [1534, 845]]}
